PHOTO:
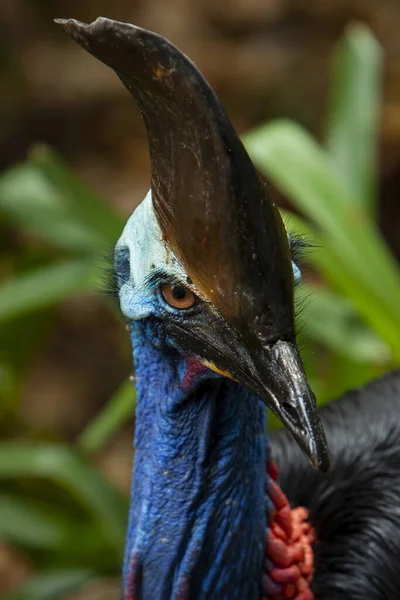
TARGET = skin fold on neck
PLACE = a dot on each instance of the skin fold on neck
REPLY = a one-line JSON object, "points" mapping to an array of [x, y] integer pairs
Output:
{"points": [[198, 512]]}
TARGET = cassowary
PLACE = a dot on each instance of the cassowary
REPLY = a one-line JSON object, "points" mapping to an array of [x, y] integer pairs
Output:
{"points": [[205, 273]]}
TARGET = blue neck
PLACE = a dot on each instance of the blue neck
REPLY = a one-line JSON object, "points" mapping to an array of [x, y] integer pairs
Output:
{"points": [[198, 513]]}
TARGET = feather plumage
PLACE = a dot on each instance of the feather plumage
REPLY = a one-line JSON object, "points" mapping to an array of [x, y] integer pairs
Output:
{"points": [[355, 507]]}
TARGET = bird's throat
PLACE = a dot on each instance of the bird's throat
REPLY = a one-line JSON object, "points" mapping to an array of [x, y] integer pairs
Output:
{"points": [[197, 521]]}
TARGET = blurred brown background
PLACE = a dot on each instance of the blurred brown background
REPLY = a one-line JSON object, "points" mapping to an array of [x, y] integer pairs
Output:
{"points": [[264, 58]]}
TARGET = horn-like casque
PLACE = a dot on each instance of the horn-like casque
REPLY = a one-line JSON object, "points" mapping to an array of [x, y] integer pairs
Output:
{"points": [[205, 188]]}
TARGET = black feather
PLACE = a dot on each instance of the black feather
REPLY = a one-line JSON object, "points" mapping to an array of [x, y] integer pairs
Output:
{"points": [[355, 507]]}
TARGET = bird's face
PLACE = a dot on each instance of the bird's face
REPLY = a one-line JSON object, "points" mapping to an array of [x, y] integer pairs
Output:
{"points": [[206, 254], [153, 284]]}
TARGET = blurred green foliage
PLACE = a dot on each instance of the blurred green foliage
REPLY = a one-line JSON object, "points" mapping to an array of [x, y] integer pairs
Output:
{"points": [[54, 505]]}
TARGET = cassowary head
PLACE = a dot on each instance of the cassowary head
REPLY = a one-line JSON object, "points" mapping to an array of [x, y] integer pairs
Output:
{"points": [[205, 257]]}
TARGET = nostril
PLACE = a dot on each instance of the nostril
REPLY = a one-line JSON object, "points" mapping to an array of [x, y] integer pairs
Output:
{"points": [[292, 414]]}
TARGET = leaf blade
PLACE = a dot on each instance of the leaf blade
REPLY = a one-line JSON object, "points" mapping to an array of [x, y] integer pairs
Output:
{"points": [[45, 286], [25, 522], [352, 118], [52, 585], [81, 200], [116, 413], [38, 208], [304, 172], [66, 468]]}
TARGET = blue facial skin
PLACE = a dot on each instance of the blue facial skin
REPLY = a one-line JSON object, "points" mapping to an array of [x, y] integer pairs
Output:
{"points": [[198, 513]]}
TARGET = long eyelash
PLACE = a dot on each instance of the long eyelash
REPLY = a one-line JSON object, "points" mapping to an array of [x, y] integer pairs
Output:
{"points": [[159, 277], [300, 304], [109, 277], [298, 243], [299, 246]]}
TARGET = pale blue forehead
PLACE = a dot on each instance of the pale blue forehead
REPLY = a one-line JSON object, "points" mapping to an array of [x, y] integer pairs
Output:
{"points": [[147, 248], [149, 252]]}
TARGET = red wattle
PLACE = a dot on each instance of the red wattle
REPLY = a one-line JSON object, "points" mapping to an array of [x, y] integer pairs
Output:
{"points": [[289, 557]]}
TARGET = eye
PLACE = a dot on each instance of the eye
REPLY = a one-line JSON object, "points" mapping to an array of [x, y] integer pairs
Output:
{"points": [[178, 296]]}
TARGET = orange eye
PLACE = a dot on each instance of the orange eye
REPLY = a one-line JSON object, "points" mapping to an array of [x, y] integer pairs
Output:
{"points": [[178, 296]]}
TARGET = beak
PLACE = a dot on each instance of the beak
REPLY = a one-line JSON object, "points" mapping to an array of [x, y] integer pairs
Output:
{"points": [[281, 383], [273, 371]]}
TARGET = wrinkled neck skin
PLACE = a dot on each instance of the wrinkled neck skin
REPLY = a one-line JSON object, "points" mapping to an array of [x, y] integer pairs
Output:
{"points": [[198, 510]]}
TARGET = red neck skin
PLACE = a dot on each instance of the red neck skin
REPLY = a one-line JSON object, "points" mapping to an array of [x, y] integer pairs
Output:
{"points": [[289, 558]]}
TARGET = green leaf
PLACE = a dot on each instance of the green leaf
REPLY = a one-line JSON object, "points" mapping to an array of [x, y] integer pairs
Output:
{"points": [[360, 262], [333, 268], [19, 342], [85, 204], [118, 411], [67, 469], [45, 286], [25, 522], [352, 119], [38, 207], [53, 585], [332, 320], [47, 530]]}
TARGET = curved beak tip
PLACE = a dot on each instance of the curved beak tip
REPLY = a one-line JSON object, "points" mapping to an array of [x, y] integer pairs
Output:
{"points": [[283, 386], [312, 441], [319, 456]]}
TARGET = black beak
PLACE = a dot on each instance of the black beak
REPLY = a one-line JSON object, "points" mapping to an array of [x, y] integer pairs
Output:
{"points": [[273, 371], [281, 383]]}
